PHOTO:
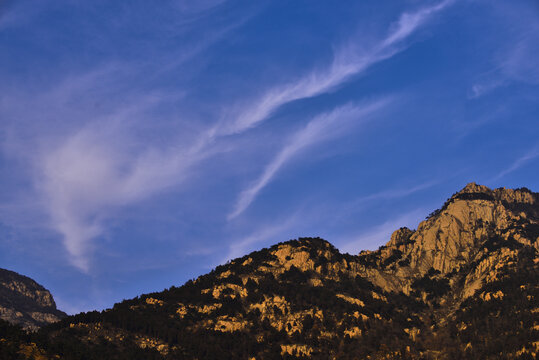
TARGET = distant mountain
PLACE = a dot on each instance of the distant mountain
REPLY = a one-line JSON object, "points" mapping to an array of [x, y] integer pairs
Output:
{"points": [[464, 285], [26, 303]]}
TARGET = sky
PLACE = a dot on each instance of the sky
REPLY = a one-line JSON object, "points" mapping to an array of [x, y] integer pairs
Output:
{"points": [[143, 143]]}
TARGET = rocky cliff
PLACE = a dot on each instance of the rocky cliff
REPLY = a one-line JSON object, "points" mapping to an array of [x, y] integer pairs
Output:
{"points": [[463, 285], [476, 230], [26, 303]]}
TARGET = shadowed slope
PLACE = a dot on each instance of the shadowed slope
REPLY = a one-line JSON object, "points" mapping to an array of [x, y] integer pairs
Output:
{"points": [[25, 302]]}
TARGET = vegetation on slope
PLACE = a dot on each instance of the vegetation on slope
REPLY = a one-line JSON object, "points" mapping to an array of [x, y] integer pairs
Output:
{"points": [[462, 286]]}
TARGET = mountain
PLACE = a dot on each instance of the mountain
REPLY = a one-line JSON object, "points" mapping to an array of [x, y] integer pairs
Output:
{"points": [[26, 303], [463, 285]]}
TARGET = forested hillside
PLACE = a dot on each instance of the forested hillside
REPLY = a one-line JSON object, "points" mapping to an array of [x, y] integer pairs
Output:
{"points": [[463, 285]]}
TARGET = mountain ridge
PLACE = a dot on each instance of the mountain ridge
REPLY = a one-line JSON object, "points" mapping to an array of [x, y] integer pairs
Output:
{"points": [[463, 285]]}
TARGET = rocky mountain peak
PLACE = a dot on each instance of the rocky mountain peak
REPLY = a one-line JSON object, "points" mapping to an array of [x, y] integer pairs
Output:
{"points": [[475, 225], [474, 188], [25, 302], [510, 198]]}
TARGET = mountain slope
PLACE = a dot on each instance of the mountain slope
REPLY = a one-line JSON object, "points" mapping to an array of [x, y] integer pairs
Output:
{"points": [[462, 286], [24, 302]]}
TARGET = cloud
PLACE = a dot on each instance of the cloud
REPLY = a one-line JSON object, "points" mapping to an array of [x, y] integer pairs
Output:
{"points": [[521, 62], [267, 233], [398, 192], [94, 153], [515, 59], [92, 172], [518, 163], [380, 234], [190, 7], [348, 61], [410, 22], [100, 137], [516, 64], [485, 87], [322, 127], [88, 161]]}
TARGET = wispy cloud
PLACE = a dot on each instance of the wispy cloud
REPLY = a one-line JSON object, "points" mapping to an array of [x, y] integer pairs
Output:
{"points": [[518, 163], [95, 149], [520, 63], [380, 234], [266, 233], [516, 64], [190, 7], [89, 161], [348, 61], [91, 173], [92, 155], [322, 127], [484, 87], [515, 58], [397, 192], [410, 22]]}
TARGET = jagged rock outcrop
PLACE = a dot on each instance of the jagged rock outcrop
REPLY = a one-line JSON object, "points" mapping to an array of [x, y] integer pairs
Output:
{"points": [[476, 225], [26, 303], [463, 285]]}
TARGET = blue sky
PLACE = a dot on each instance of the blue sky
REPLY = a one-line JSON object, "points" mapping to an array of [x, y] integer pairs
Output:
{"points": [[142, 144]]}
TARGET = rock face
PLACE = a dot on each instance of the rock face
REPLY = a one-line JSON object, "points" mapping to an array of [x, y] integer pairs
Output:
{"points": [[463, 285], [475, 225], [26, 303]]}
